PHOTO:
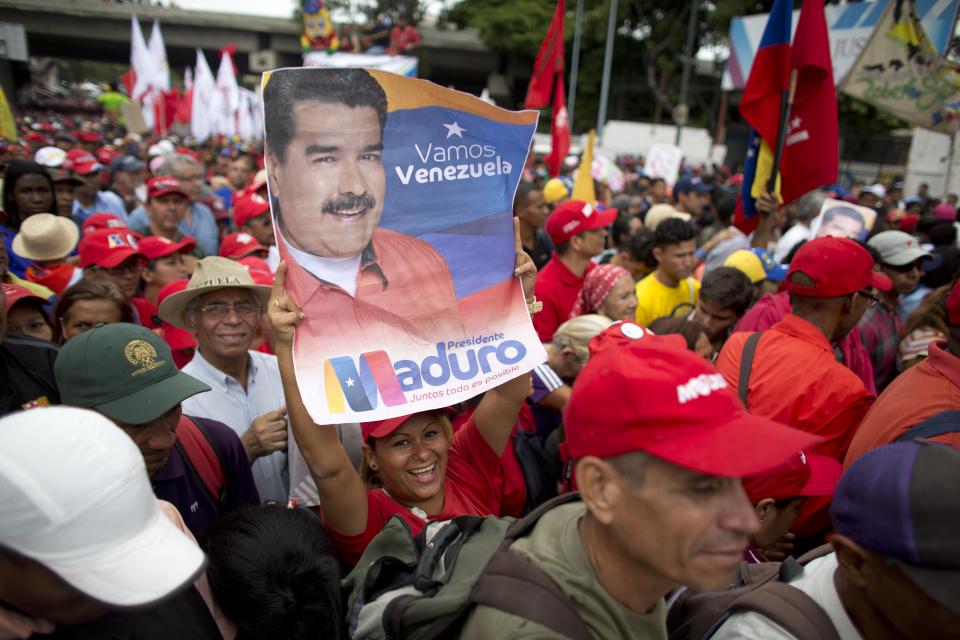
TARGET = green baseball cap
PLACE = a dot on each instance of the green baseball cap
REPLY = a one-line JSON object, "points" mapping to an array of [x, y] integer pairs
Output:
{"points": [[124, 371]]}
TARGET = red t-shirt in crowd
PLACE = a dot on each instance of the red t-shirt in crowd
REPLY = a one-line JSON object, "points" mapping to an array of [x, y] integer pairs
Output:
{"points": [[557, 288], [797, 380], [929, 388], [472, 486]]}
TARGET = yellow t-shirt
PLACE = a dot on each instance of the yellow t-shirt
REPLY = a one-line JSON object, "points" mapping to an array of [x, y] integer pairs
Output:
{"points": [[655, 299]]}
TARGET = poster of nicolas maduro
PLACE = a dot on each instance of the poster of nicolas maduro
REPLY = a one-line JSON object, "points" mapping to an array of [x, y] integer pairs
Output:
{"points": [[392, 203]]}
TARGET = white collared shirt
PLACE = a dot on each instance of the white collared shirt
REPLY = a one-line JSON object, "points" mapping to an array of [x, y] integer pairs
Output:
{"points": [[227, 402], [339, 271]]}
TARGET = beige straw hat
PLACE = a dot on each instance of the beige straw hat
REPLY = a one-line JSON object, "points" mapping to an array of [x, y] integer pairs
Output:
{"points": [[44, 236], [211, 273]]}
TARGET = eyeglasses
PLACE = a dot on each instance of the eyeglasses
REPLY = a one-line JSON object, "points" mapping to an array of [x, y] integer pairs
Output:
{"points": [[872, 300], [219, 310]]}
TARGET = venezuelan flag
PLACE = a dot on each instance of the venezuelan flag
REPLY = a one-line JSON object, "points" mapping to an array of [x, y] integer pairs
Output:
{"points": [[769, 80]]}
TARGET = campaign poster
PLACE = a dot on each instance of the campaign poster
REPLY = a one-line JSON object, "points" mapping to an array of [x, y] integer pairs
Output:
{"points": [[843, 220], [392, 205]]}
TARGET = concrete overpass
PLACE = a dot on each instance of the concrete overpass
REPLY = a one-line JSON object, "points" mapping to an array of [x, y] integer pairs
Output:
{"points": [[96, 30]]}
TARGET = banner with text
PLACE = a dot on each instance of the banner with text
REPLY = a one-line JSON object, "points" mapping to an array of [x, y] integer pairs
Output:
{"points": [[392, 202], [899, 71], [850, 26], [404, 65]]}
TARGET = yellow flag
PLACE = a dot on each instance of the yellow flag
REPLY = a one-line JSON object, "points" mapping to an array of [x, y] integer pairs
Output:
{"points": [[8, 128], [762, 176], [583, 187]]}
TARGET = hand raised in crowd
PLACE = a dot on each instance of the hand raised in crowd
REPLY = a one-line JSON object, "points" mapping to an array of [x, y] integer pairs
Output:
{"points": [[283, 312], [767, 203], [524, 266], [267, 434]]}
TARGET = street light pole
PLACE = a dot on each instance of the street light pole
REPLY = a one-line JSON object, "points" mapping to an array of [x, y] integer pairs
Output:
{"points": [[607, 63], [683, 110]]}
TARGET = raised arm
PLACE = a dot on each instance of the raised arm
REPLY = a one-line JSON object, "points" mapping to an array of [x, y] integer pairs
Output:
{"points": [[498, 410], [343, 496]]}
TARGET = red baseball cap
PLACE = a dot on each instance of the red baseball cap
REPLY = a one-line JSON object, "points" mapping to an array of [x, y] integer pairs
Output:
{"points": [[576, 216], [106, 155], [258, 269], [177, 338], [837, 267], [34, 137], [163, 185], [101, 221], [155, 247], [953, 305], [239, 244], [383, 428], [802, 475], [672, 404], [89, 136], [249, 206], [15, 293], [624, 332], [81, 162], [108, 247]]}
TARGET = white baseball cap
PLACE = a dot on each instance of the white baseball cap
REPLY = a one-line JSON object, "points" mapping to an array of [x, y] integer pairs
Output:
{"points": [[50, 156], [75, 497]]}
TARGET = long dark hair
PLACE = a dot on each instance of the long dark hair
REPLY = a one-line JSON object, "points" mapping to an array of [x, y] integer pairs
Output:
{"points": [[15, 170]]}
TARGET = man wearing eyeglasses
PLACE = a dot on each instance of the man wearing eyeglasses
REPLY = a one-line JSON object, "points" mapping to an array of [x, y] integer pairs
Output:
{"points": [[794, 376], [881, 328], [222, 306]]}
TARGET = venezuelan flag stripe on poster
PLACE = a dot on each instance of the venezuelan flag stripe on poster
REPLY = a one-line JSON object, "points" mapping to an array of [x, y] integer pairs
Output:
{"points": [[760, 106]]}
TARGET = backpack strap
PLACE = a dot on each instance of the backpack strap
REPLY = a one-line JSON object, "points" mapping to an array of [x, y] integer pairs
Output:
{"points": [[790, 608], [746, 365], [936, 425], [202, 457], [525, 524], [543, 602]]}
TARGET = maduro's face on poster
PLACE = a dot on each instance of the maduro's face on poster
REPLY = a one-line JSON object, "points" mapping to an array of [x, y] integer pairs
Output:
{"points": [[330, 184]]}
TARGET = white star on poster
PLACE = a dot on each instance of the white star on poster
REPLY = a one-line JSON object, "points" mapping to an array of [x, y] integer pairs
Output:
{"points": [[349, 382], [454, 130]]}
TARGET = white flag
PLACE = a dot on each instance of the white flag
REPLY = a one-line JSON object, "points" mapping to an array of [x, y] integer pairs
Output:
{"points": [[201, 105], [227, 102], [158, 59], [139, 60]]}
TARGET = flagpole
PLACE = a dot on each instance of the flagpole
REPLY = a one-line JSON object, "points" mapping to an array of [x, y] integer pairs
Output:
{"points": [[574, 65], [607, 63], [786, 101]]}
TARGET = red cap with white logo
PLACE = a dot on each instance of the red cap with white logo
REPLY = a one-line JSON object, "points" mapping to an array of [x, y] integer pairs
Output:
{"points": [[574, 217], [164, 185], [249, 206], [672, 404], [240, 244], [81, 162], [107, 248]]}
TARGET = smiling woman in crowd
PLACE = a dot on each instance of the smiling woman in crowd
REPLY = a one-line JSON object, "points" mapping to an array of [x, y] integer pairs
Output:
{"points": [[412, 466]]}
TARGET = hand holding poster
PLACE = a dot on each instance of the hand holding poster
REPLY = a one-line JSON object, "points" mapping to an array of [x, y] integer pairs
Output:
{"points": [[843, 220], [392, 202]]}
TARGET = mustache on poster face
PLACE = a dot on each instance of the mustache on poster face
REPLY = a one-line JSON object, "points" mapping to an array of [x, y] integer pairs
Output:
{"points": [[348, 203]]}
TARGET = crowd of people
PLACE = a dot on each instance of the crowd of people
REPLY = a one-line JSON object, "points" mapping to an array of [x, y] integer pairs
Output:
{"points": [[711, 401]]}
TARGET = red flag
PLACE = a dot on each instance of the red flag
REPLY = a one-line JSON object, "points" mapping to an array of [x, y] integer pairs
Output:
{"points": [[184, 107], [129, 80], [548, 64], [559, 129], [811, 154]]}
